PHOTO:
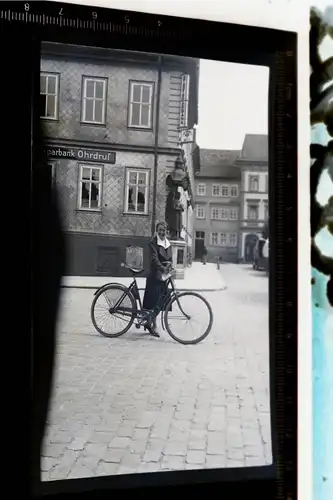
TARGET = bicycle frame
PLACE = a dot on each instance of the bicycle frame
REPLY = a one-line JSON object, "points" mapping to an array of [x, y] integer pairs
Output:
{"points": [[140, 313]]}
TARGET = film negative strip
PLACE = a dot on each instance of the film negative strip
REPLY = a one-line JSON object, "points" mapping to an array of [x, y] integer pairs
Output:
{"points": [[76, 23], [286, 266]]}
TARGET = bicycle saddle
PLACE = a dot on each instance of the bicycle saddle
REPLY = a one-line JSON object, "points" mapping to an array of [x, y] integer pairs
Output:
{"points": [[133, 270]]}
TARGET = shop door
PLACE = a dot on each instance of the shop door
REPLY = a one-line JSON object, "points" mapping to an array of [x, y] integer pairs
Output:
{"points": [[199, 244]]}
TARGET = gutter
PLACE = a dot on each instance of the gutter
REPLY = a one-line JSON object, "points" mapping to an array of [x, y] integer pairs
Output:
{"points": [[157, 126]]}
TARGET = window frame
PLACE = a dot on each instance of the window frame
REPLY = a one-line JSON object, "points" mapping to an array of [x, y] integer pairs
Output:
{"points": [[217, 238], [200, 184], [197, 208], [213, 209], [53, 164], [234, 186], [91, 166], [229, 240], [131, 86], [226, 239], [85, 79], [252, 205], [219, 189], [233, 209], [57, 87], [138, 170], [251, 178]]}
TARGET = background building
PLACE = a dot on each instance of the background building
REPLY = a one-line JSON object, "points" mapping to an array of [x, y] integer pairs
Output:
{"points": [[253, 164], [113, 121], [217, 205]]}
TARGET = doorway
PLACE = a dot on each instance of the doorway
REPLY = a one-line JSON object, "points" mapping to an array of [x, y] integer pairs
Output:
{"points": [[199, 244], [250, 243]]}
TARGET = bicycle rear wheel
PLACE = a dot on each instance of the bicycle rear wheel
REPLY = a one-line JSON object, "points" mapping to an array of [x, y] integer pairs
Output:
{"points": [[112, 324], [184, 308]]}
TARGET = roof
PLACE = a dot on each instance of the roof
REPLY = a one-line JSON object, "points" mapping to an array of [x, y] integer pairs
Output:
{"points": [[255, 148], [219, 163]]}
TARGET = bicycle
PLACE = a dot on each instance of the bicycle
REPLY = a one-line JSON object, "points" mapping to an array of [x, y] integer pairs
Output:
{"points": [[127, 306]]}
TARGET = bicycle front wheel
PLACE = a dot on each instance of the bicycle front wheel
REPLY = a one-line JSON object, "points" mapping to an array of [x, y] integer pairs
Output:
{"points": [[113, 324], [188, 318]]}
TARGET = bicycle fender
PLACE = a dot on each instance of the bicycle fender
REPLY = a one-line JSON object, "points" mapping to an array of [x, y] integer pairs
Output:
{"points": [[108, 284]]}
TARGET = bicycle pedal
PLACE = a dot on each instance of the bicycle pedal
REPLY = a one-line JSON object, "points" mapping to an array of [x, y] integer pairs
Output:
{"points": [[138, 326]]}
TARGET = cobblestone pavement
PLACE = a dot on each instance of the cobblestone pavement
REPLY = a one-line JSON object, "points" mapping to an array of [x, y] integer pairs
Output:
{"points": [[136, 403]]}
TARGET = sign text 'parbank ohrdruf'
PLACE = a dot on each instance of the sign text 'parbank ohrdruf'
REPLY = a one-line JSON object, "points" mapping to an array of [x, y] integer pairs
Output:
{"points": [[80, 154]]}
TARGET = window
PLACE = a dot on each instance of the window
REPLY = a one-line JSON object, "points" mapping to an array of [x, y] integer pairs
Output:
{"points": [[200, 235], [140, 105], [224, 190], [232, 239], [52, 171], [224, 239], [136, 197], [90, 191], [254, 183], [233, 214], [214, 213], [49, 84], [253, 212], [266, 211], [233, 191], [94, 100], [216, 190], [266, 183], [224, 213], [200, 212], [214, 239], [201, 189]]}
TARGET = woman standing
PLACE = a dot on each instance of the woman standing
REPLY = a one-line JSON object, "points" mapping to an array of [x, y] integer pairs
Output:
{"points": [[160, 265]]}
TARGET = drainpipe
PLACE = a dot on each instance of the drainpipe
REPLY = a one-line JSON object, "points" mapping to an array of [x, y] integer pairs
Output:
{"points": [[157, 126]]}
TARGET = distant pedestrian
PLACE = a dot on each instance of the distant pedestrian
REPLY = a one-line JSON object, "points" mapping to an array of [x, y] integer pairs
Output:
{"points": [[204, 255]]}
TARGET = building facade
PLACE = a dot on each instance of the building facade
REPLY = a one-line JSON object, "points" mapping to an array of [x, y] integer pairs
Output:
{"points": [[112, 121], [253, 164], [217, 205]]}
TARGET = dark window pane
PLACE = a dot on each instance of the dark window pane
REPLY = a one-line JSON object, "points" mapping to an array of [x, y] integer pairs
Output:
{"points": [[85, 195], [145, 115], [94, 195], [98, 111], [89, 105], [136, 95], [131, 206], [99, 90], [135, 114], [145, 94], [50, 106], [141, 199], [43, 84], [90, 86], [51, 85], [42, 102]]}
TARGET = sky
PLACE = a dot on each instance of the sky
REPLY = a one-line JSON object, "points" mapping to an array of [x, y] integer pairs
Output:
{"points": [[233, 101]]}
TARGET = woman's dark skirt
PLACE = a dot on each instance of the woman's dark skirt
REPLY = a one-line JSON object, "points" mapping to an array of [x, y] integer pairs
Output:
{"points": [[155, 293]]}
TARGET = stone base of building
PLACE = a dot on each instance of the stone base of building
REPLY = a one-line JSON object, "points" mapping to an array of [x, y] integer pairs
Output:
{"points": [[91, 254]]}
